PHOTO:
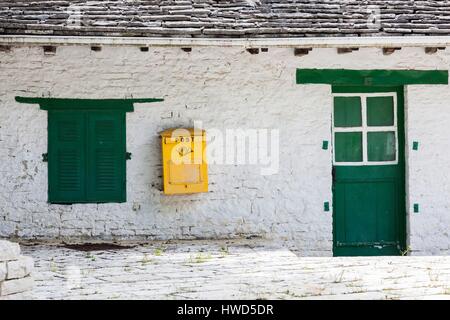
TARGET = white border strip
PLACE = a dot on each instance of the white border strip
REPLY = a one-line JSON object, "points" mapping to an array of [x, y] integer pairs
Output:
{"points": [[323, 42]]}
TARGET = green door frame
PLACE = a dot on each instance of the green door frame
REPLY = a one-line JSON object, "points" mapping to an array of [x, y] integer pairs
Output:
{"points": [[387, 78], [363, 81]]}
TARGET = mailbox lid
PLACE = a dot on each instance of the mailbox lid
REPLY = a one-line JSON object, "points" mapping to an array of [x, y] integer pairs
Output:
{"points": [[182, 132]]}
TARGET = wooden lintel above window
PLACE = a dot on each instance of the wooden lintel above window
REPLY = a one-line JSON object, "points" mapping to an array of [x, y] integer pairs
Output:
{"points": [[126, 105]]}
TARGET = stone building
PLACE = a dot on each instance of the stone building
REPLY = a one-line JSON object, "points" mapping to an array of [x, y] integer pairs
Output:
{"points": [[348, 103], [16, 280]]}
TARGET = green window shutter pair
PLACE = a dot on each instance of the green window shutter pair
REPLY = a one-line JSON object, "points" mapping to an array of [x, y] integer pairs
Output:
{"points": [[86, 156]]}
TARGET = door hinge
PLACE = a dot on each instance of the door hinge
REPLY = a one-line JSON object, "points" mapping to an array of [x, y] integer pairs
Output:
{"points": [[127, 155], [45, 157], [333, 173]]}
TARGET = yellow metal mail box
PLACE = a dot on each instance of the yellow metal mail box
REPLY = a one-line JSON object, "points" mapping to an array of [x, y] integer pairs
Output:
{"points": [[184, 165]]}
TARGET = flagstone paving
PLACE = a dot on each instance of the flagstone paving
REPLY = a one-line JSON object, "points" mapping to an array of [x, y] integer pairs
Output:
{"points": [[230, 270]]}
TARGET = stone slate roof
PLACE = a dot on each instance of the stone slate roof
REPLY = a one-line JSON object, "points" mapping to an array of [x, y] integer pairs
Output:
{"points": [[226, 18]]}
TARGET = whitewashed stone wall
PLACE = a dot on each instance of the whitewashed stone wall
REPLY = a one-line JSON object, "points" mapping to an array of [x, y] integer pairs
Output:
{"points": [[224, 88], [15, 272]]}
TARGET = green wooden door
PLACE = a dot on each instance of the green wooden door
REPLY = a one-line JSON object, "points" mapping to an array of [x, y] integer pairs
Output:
{"points": [[368, 171]]}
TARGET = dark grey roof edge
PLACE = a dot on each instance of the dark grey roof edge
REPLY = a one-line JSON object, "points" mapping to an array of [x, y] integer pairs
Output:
{"points": [[225, 18]]}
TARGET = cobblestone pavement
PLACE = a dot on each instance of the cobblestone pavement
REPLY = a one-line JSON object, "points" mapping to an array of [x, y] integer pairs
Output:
{"points": [[230, 270]]}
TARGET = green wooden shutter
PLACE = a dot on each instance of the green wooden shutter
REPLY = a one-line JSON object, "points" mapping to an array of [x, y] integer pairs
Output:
{"points": [[66, 156], [106, 156]]}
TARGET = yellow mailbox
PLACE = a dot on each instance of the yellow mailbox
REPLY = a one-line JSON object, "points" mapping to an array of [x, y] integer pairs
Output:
{"points": [[184, 165]]}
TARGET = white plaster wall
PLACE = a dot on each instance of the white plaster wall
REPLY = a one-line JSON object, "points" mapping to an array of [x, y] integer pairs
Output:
{"points": [[429, 169], [224, 88]]}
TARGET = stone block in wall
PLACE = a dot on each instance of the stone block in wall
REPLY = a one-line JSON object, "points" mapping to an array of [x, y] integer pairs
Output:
{"points": [[2, 271], [9, 287], [9, 251], [19, 268]]}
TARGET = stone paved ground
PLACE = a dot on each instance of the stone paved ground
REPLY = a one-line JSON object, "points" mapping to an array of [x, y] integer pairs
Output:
{"points": [[231, 270]]}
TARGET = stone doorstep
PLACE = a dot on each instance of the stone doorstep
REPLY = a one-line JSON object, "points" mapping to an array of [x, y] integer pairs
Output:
{"points": [[19, 268], [9, 287], [9, 251]]}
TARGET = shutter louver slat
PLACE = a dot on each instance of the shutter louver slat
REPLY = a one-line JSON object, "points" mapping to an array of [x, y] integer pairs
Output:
{"points": [[105, 167], [105, 156], [68, 174]]}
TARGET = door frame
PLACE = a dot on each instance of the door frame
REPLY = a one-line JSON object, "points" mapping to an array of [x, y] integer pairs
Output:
{"points": [[402, 201]]}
